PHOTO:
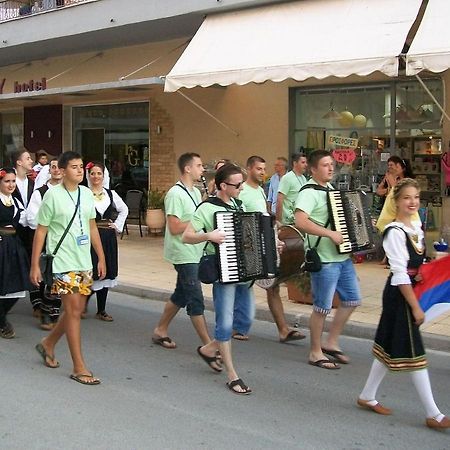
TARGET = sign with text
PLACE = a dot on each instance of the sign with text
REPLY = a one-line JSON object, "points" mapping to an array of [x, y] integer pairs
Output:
{"points": [[341, 141], [29, 86], [344, 155]]}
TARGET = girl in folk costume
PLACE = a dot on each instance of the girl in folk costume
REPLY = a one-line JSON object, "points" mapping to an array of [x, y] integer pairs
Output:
{"points": [[398, 343], [14, 263], [107, 204]]}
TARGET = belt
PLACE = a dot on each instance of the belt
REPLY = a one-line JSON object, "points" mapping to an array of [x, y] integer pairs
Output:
{"points": [[103, 224], [7, 231]]}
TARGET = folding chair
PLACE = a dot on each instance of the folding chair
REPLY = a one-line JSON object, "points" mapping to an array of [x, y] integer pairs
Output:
{"points": [[133, 200]]}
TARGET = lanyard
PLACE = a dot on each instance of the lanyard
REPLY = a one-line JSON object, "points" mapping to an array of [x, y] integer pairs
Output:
{"points": [[77, 206]]}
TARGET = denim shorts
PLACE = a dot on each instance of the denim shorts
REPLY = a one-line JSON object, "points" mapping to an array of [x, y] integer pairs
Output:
{"points": [[340, 277], [188, 291]]}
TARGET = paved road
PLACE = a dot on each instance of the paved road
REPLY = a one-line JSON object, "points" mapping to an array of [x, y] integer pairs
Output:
{"points": [[153, 398]]}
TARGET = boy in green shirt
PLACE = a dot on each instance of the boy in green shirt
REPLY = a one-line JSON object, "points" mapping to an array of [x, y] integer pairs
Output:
{"points": [[72, 265], [228, 297], [289, 188], [337, 273], [180, 203]]}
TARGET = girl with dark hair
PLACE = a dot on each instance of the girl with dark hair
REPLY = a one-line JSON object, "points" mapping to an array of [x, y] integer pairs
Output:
{"points": [[398, 169], [14, 262], [107, 204]]}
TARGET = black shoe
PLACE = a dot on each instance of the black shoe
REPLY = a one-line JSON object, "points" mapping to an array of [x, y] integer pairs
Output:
{"points": [[46, 322]]}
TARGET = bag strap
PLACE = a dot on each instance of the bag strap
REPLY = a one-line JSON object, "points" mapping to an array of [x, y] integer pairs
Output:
{"points": [[320, 237], [316, 187], [70, 224], [187, 192]]}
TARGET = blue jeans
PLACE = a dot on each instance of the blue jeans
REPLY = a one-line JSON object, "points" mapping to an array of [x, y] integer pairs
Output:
{"points": [[337, 276], [188, 291], [234, 305]]}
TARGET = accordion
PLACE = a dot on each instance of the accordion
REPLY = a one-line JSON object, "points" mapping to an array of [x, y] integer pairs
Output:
{"points": [[249, 249], [350, 215]]}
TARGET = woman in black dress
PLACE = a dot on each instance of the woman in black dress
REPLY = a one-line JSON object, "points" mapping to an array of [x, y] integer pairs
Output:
{"points": [[14, 264], [398, 343], [109, 206]]}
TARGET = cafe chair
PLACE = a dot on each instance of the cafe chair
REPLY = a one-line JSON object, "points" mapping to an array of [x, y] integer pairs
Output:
{"points": [[133, 200]]}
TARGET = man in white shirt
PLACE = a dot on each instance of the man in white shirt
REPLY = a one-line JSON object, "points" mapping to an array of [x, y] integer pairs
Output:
{"points": [[48, 305]]}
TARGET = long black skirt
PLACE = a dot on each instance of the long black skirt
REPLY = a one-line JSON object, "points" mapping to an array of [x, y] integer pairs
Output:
{"points": [[109, 243], [14, 266], [398, 342]]}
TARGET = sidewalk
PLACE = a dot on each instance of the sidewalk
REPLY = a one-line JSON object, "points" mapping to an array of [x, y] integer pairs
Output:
{"points": [[144, 272]]}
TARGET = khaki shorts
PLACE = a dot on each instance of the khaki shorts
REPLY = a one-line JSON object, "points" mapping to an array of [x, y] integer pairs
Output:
{"points": [[72, 283]]}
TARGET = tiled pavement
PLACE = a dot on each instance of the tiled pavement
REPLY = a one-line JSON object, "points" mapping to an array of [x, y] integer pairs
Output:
{"points": [[144, 270]]}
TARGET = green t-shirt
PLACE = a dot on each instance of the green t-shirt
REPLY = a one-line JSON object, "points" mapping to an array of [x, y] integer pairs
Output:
{"points": [[254, 199], [314, 203], [179, 203], [289, 186], [58, 206], [203, 219]]}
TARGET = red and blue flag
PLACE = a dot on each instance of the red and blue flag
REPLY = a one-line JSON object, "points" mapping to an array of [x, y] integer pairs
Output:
{"points": [[433, 292]]}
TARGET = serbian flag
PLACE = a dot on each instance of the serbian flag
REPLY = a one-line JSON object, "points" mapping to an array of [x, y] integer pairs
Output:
{"points": [[433, 292]]}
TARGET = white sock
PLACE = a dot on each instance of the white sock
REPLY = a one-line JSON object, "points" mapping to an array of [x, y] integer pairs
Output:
{"points": [[422, 384], [376, 375]]}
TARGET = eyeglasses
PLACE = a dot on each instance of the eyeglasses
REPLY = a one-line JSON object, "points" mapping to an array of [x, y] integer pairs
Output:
{"points": [[236, 186]]}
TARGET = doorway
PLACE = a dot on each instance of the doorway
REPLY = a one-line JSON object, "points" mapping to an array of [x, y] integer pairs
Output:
{"points": [[92, 142]]}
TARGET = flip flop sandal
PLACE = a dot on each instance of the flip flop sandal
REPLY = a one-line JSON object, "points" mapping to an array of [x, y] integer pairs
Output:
{"points": [[338, 355], [78, 378], [322, 363], [232, 384], [162, 341], [209, 360], [7, 332], [41, 350], [293, 335], [240, 337]]}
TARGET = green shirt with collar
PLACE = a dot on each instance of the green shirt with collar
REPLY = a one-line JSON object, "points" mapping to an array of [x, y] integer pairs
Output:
{"points": [[181, 204], [253, 199], [314, 203], [289, 186]]}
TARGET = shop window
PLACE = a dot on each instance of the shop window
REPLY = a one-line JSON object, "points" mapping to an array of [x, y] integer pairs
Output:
{"points": [[118, 135], [11, 136], [364, 125]]}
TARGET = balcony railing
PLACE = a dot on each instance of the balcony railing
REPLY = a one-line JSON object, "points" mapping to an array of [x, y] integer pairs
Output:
{"points": [[14, 9]]}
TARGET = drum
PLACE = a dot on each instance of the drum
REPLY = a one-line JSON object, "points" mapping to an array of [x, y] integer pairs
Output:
{"points": [[291, 258]]}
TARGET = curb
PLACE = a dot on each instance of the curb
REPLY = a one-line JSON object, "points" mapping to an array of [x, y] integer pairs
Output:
{"points": [[352, 329]]}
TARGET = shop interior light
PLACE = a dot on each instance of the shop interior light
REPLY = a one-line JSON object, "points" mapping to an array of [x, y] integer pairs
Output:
{"points": [[331, 113]]}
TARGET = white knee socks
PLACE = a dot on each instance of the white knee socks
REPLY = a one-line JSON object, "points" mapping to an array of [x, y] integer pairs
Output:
{"points": [[376, 375], [421, 382]]}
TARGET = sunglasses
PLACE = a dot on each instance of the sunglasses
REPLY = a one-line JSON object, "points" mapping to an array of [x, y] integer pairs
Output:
{"points": [[236, 186]]}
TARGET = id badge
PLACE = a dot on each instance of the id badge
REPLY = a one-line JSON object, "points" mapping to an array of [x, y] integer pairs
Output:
{"points": [[83, 239]]}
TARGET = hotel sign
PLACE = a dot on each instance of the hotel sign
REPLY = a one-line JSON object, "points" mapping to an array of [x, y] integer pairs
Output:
{"points": [[28, 86]]}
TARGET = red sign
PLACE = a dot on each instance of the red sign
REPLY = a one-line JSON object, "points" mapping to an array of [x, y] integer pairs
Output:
{"points": [[344, 155]]}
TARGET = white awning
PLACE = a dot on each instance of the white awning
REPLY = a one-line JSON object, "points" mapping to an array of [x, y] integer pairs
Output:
{"points": [[298, 40], [430, 49]]}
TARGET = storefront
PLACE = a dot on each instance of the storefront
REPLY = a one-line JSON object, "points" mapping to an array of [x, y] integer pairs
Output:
{"points": [[363, 125]]}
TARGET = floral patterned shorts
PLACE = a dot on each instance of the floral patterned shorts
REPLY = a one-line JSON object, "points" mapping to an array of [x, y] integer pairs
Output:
{"points": [[72, 283]]}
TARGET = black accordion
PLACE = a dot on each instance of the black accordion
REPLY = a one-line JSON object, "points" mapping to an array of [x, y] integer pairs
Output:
{"points": [[249, 249], [350, 215]]}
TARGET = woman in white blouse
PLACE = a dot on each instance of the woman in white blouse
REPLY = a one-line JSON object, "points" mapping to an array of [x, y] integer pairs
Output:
{"points": [[108, 205], [398, 343]]}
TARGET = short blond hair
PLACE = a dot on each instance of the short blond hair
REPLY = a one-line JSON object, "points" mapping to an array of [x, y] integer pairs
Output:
{"points": [[402, 184]]}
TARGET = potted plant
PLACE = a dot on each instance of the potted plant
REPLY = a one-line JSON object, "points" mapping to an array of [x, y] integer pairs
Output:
{"points": [[155, 218]]}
